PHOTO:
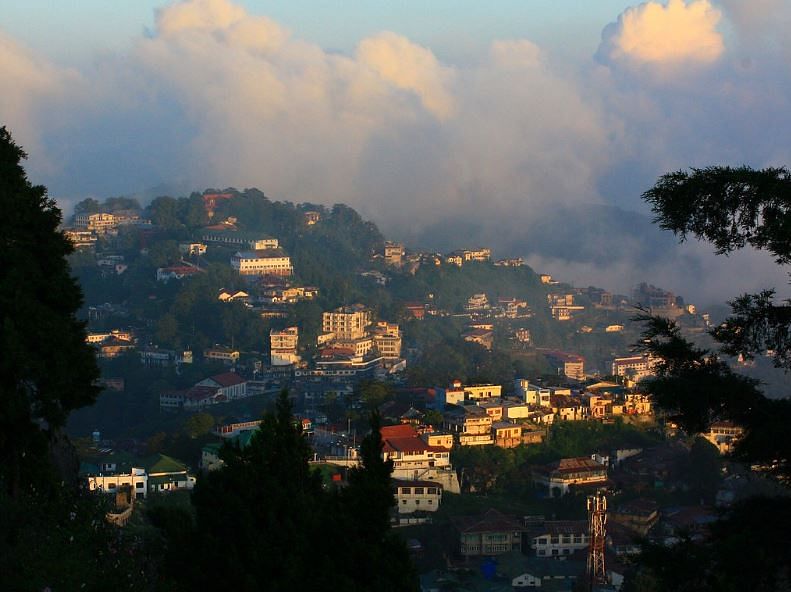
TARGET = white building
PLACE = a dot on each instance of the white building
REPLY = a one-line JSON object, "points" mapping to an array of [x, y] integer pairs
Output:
{"points": [[137, 479], [262, 262], [283, 346], [414, 496]]}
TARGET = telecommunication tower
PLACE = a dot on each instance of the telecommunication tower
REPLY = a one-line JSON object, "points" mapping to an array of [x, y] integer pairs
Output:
{"points": [[597, 519]]}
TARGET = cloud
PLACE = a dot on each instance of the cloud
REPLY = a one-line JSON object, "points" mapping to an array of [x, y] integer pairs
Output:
{"points": [[409, 67], [676, 33], [515, 151]]}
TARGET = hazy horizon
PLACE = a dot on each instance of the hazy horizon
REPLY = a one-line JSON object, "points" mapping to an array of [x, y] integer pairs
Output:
{"points": [[532, 128]]}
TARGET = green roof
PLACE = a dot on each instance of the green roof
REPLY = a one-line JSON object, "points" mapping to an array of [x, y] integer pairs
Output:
{"points": [[160, 463]]}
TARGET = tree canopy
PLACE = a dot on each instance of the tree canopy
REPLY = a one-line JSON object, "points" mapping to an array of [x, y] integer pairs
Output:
{"points": [[46, 368]]}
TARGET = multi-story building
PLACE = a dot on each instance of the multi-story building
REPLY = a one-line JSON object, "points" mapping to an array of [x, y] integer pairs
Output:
{"points": [[283, 346], [634, 368], [415, 460], [507, 434], [532, 394], [192, 248], [471, 425], [387, 340], [99, 223], [262, 262], [651, 297], [457, 393], [394, 254], [417, 496], [556, 538], [558, 476], [347, 322]]}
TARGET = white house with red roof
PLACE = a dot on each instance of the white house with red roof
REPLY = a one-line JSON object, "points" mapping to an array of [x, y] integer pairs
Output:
{"points": [[414, 459], [230, 384], [214, 390]]}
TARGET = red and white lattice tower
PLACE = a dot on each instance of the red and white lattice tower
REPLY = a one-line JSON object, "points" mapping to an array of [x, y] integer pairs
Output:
{"points": [[597, 520]]}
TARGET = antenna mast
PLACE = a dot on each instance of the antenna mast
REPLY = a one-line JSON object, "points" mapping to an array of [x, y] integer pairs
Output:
{"points": [[597, 519]]}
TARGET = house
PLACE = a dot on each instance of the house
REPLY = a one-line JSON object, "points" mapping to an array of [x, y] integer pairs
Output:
{"points": [[507, 434], [176, 272], [471, 425], [724, 435], [152, 356], [477, 302], [100, 223], [482, 337], [167, 474], [415, 310], [416, 460], [80, 238], [232, 295], [416, 496], [560, 475], [192, 248], [543, 574], [492, 533], [457, 393], [558, 538], [638, 515], [532, 394], [230, 385], [568, 408], [311, 217], [112, 347]]}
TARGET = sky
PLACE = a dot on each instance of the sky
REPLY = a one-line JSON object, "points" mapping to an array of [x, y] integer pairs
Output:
{"points": [[529, 126]]}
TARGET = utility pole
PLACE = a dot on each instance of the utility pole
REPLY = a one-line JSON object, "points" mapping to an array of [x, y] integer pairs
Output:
{"points": [[597, 519]]}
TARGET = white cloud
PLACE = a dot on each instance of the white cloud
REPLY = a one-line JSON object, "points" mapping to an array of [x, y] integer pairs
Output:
{"points": [[433, 152], [671, 34]]}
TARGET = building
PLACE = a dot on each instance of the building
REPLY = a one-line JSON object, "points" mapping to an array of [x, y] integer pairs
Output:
{"points": [[193, 248], [566, 364], [483, 337], [492, 533], [167, 474], [634, 368], [416, 460], [226, 355], [80, 238], [243, 240], [638, 515], [558, 538], [457, 393], [724, 435], [471, 425], [229, 384], [532, 394], [507, 434], [311, 217], [98, 223], [394, 254], [152, 356], [176, 272], [136, 478], [283, 346], [651, 297], [568, 407], [477, 302], [417, 496], [232, 295], [262, 262], [347, 323], [560, 475], [387, 340]]}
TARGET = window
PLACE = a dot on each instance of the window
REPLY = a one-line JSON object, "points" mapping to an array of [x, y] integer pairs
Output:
{"points": [[430, 502], [403, 502], [139, 485], [111, 486], [406, 490], [418, 491], [417, 502], [432, 491]]}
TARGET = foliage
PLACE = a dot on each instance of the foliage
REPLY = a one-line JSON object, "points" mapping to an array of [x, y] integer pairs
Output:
{"points": [[38, 300], [732, 208], [198, 424], [268, 513], [747, 549]]}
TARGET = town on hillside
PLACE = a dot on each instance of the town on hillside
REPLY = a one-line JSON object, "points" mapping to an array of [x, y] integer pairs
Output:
{"points": [[513, 404]]}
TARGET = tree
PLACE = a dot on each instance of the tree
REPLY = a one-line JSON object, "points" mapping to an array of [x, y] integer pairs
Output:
{"points": [[732, 208], [86, 206], [41, 379]]}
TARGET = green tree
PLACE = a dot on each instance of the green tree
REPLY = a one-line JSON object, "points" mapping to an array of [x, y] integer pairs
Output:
{"points": [[199, 424], [86, 206], [38, 301]]}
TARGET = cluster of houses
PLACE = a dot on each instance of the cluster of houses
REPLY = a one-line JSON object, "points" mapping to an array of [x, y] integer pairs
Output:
{"points": [[87, 228]]}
